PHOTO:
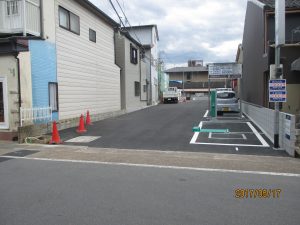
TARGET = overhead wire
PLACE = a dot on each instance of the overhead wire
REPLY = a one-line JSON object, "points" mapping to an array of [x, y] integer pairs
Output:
{"points": [[131, 29]]}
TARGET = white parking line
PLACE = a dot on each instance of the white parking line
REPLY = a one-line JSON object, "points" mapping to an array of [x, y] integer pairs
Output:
{"points": [[243, 137], [196, 134], [162, 166], [257, 134], [260, 138], [205, 115]]}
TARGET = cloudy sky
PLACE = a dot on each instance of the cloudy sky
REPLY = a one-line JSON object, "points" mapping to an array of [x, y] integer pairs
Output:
{"points": [[188, 29]]}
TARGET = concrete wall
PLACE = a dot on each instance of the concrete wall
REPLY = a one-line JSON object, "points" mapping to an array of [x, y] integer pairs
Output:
{"points": [[264, 119]]}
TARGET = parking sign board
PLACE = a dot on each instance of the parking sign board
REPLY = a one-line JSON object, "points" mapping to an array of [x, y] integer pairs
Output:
{"points": [[277, 90]]}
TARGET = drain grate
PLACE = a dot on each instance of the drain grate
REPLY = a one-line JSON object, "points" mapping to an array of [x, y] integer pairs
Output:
{"points": [[21, 153]]}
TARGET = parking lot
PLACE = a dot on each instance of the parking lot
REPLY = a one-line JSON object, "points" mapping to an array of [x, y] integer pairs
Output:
{"points": [[168, 127], [238, 132]]}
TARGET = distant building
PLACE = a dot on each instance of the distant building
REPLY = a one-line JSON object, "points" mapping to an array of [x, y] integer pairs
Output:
{"points": [[192, 79]]}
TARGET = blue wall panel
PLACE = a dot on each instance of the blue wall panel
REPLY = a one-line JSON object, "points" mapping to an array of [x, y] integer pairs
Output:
{"points": [[43, 71]]}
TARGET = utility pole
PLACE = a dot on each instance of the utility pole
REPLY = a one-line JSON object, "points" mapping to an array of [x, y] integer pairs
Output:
{"points": [[279, 40]]}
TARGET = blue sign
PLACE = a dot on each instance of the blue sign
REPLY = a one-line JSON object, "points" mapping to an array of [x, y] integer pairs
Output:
{"points": [[277, 90], [279, 85], [277, 96]]}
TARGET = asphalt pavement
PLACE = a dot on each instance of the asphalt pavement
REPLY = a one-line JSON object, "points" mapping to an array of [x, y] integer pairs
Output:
{"points": [[168, 127], [47, 192]]}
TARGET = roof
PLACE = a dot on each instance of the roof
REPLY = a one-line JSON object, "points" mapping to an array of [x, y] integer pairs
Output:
{"points": [[270, 4], [146, 26], [127, 35], [187, 69], [94, 9]]}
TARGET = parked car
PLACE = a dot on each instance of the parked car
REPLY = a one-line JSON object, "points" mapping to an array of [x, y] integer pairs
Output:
{"points": [[227, 102]]}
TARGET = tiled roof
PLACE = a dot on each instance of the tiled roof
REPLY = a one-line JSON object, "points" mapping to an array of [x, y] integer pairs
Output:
{"points": [[187, 69], [289, 4]]}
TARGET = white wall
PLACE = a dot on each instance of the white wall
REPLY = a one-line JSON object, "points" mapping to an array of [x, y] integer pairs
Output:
{"points": [[25, 75], [88, 78], [9, 70]]}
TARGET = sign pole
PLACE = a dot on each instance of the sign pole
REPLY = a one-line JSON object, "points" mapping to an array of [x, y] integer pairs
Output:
{"points": [[279, 40]]}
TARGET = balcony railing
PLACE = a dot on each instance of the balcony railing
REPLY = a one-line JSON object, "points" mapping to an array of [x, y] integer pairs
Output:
{"points": [[20, 17]]}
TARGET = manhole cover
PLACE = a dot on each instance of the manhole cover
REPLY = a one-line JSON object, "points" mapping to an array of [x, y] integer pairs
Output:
{"points": [[83, 139], [21, 153]]}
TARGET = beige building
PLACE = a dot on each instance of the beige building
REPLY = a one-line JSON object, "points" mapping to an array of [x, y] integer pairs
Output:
{"points": [[192, 80], [133, 72]]}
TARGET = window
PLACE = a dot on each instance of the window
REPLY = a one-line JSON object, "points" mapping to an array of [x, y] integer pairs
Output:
{"points": [[92, 35], [136, 88], [53, 96], [188, 76], [133, 55], [12, 7], [69, 20]]}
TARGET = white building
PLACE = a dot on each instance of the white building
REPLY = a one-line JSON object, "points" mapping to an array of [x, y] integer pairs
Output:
{"points": [[58, 54]]}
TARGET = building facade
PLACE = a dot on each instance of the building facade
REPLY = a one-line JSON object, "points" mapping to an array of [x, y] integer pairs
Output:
{"points": [[133, 72], [57, 54], [147, 35], [193, 79], [259, 54]]}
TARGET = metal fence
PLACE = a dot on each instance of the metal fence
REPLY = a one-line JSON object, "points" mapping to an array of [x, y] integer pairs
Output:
{"points": [[35, 115]]}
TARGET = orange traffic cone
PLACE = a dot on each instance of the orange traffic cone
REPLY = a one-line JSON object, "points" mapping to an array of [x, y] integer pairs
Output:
{"points": [[55, 135], [81, 128], [88, 119]]}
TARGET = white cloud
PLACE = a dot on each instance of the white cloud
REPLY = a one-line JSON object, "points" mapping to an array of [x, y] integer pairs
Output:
{"points": [[188, 29]]}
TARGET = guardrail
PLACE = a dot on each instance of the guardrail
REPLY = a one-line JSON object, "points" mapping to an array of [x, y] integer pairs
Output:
{"points": [[43, 114]]}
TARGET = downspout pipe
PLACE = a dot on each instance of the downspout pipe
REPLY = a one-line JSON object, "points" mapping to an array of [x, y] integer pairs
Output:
{"points": [[19, 86]]}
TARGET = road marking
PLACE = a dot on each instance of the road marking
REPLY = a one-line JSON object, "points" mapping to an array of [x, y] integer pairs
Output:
{"points": [[226, 138], [83, 139], [220, 144], [161, 166], [196, 134], [257, 134], [263, 142], [205, 115]]}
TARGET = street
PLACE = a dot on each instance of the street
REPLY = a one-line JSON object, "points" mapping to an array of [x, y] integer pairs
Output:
{"points": [[49, 192]]}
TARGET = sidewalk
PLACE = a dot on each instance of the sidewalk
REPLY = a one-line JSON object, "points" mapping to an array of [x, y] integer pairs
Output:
{"points": [[158, 158]]}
